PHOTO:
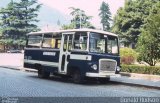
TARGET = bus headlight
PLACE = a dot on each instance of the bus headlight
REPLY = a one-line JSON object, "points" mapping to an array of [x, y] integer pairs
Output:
{"points": [[118, 68], [94, 67]]}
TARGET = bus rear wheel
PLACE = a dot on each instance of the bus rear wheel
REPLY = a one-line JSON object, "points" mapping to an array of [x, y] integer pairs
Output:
{"points": [[77, 78], [43, 74]]}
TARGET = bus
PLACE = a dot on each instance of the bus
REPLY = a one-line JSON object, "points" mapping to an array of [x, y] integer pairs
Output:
{"points": [[75, 53]]}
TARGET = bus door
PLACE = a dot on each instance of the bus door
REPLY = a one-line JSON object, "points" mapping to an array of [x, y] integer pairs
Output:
{"points": [[66, 44]]}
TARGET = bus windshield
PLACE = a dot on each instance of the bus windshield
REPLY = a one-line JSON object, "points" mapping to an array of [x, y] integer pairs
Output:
{"points": [[100, 43]]}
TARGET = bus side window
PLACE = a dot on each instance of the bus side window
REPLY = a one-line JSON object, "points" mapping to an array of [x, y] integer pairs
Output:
{"points": [[51, 41], [80, 41], [34, 41], [57, 41], [112, 45], [47, 41], [70, 42], [65, 43]]}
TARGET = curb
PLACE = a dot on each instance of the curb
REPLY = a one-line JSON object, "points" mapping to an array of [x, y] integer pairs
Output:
{"points": [[143, 76], [136, 85], [13, 68], [20, 69]]}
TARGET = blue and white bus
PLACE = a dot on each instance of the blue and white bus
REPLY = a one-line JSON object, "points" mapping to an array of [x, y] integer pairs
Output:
{"points": [[76, 53]]}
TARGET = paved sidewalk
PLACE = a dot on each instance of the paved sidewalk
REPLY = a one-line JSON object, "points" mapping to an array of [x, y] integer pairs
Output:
{"points": [[11, 59]]}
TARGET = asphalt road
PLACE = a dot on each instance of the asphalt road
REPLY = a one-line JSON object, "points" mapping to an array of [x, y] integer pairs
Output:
{"points": [[24, 84]]}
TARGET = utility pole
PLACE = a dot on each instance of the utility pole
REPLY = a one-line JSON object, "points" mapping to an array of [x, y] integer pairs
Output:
{"points": [[12, 2], [80, 19]]}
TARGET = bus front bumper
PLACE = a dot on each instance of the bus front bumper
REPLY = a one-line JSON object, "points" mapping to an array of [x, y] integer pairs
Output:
{"points": [[102, 75]]}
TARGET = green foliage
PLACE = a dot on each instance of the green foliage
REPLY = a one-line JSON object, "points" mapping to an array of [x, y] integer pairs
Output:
{"points": [[6, 41], [105, 16], [19, 42], [16, 20], [69, 26], [141, 69], [131, 18], [149, 41], [80, 19], [139, 20], [128, 55], [12, 42]]}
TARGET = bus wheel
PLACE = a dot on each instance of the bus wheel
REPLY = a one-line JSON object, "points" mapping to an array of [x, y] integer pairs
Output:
{"points": [[43, 74], [104, 80], [77, 78]]}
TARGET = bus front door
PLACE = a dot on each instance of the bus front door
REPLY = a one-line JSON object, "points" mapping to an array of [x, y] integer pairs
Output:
{"points": [[64, 56]]}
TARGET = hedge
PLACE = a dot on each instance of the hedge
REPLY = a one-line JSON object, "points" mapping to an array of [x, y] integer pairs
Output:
{"points": [[155, 70]]}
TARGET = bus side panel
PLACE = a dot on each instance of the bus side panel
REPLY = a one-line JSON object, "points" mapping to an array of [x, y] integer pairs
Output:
{"points": [[78, 63], [50, 58], [33, 55], [47, 59], [49, 55]]}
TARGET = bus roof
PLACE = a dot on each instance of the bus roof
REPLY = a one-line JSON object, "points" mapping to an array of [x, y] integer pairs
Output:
{"points": [[73, 30]]}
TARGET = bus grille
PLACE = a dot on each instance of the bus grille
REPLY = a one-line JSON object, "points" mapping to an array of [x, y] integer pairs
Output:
{"points": [[107, 65]]}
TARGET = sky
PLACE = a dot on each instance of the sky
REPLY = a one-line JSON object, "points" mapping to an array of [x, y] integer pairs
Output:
{"points": [[54, 10], [91, 7]]}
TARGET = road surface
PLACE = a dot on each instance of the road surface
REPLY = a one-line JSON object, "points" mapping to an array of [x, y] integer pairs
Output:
{"points": [[24, 84]]}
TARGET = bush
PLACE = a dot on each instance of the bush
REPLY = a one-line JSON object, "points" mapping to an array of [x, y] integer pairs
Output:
{"points": [[128, 56], [141, 69]]}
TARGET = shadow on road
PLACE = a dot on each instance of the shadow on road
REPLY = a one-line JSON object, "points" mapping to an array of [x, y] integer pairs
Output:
{"points": [[87, 82], [91, 82]]}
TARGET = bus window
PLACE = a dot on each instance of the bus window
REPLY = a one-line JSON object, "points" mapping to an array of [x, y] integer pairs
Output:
{"points": [[53, 43], [34, 40], [65, 42], [70, 42], [58, 43], [80, 41], [100, 43], [97, 43], [112, 45], [48, 42]]}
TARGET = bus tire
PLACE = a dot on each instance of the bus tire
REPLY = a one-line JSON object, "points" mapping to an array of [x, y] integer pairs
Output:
{"points": [[43, 74], [104, 80], [77, 78]]}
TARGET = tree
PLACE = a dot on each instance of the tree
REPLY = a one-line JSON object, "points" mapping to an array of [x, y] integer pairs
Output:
{"points": [[80, 19], [19, 18], [105, 16], [149, 41], [69, 26], [131, 18]]}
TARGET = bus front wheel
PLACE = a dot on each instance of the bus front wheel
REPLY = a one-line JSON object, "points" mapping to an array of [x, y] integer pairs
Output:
{"points": [[43, 74]]}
